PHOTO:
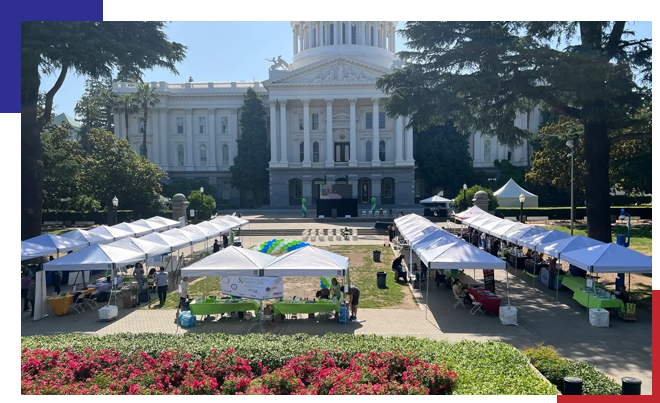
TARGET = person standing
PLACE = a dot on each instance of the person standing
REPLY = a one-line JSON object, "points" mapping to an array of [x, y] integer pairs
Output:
{"points": [[138, 272], [353, 299], [391, 232], [225, 241], [25, 284], [183, 290], [31, 291], [216, 246], [161, 283], [56, 279]]}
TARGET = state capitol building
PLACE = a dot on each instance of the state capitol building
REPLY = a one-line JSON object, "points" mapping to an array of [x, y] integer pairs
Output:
{"points": [[325, 122]]}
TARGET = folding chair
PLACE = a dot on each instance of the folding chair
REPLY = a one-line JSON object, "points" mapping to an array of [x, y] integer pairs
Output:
{"points": [[90, 299], [377, 214], [364, 213], [460, 301], [476, 306], [78, 303]]}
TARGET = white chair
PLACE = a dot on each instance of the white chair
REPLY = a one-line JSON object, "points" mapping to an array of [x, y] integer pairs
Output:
{"points": [[355, 235], [90, 299], [370, 213], [79, 303], [459, 300], [364, 213], [377, 214], [476, 306]]}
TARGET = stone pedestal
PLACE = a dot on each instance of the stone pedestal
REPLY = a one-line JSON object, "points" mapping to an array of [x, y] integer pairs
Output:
{"points": [[481, 200], [179, 206]]}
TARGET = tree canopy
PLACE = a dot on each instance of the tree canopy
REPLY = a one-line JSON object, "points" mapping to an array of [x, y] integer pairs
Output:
{"points": [[201, 203], [482, 74], [463, 203]]}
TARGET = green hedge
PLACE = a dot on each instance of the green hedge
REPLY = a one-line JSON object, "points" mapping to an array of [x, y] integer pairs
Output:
{"points": [[555, 368], [484, 368], [564, 213]]}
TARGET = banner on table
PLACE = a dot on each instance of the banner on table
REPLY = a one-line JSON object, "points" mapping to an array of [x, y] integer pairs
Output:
{"points": [[253, 287], [489, 280]]}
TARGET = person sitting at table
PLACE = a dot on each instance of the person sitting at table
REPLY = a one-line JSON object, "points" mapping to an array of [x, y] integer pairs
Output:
{"points": [[335, 286], [460, 290], [622, 294]]}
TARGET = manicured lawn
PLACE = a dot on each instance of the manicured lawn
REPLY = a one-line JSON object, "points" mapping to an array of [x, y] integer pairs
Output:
{"points": [[640, 236]]}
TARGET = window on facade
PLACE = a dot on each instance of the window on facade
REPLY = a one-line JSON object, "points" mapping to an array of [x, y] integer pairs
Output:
{"points": [[342, 152], [179, 155], [372, 36], [141, 125], [226, 187], [508, 155], [368, 154], [353, 34], [179, 125], [487, 151], [381, 150], [301, 122], [381, 120], [302, 151], [337, 152], [343, 33], [315, 152], [388, 186], [202, 155], [225, 154], [369, 120], [297, 189], [224, 122], [202, 125], [315, 121], [332, 34]]}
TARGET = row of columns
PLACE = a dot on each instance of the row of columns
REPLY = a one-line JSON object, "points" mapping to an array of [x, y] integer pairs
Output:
{"points": [[400, 133], [304, 36]]}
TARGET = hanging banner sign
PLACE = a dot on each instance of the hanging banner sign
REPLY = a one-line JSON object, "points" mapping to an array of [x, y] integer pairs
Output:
{"points": [[253, 287], [489, 280]]}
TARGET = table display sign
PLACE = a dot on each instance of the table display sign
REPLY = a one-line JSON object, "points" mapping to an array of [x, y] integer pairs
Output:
{"points": [[253, 287], [489, 280]]}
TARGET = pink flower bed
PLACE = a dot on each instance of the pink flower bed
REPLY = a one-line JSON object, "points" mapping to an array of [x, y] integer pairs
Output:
{"points": [[315, 373]]}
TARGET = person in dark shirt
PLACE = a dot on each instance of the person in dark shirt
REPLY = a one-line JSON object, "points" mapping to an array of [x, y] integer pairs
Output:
{"points": [[216, 246], [397, 266], [353, 299], [225, 241], [495, 248], [623, 295]]}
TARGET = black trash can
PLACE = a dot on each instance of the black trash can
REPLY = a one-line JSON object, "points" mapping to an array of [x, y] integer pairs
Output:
{"points": [[381, 279], [377, 256]]}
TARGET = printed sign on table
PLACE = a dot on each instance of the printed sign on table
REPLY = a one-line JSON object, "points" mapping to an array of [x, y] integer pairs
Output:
{"points": [[489, 280], [253, 287]]}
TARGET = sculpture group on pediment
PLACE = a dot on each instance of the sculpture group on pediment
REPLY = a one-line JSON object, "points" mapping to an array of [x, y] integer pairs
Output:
{"points": [[278, 63], [342, 74]]}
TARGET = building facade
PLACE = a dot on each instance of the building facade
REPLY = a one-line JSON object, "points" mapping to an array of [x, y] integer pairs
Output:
{"points": [[325, 122]]}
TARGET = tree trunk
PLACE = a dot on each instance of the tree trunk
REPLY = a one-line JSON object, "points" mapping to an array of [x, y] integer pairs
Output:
{"points": [[32, 167], [597, 181]]}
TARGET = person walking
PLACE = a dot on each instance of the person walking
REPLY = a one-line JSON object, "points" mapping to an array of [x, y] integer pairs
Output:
{"points": [[391, 231], [25, 284], [216, 246], [353, 299], [183, 291], [161, 283], [138, 272], [31, 291]]}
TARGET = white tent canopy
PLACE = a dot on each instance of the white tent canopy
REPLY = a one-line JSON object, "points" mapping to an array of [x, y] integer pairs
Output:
{"points": [[517, 235], [61, 244], [114, 233], [399, 221], [434, 240], [91, 238], [173, 242], [95, 257], [469, 213], [435, 200], [192, 237], [31, 250], [215, 228], [486, 226], [533, 241], [136, 230], [237, 220], [557, 247], [166, 221], [223, 222], [152, 225], [140, 245], [460, 255], [428, 233], [609, 258], [230, 261], [476, 220], [504, 227], [306, 262], [508, 195], [205, 232]]}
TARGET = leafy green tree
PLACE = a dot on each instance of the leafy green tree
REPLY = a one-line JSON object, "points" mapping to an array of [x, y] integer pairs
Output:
{"points": [[126, 104], [186, 186], [201, 203], [89, 113], [481, 74], [249, 172], [442, 156], [464, 199], [91, 48], [114, 169], [509, 171], [63, 160], [146, 98]]}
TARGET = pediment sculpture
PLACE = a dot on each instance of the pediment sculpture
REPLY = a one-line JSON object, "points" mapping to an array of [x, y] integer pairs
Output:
{"points": [[341, 73]]}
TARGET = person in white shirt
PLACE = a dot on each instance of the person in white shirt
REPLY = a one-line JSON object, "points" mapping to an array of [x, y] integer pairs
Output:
{"points": [[161, 282], [183, 290]]}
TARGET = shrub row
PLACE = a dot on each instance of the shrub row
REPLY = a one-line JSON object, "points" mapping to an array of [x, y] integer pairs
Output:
{"points": [[565, 200], [564, 213], [483, 368], [555, 369]]}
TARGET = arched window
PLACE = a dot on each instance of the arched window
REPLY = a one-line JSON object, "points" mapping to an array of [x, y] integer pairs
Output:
{"points": [[296, 191], [381, 150], [487, 151], [368, 154], [225, 154], [202, 155], [353, 34], [372, 36], [179, 155], [315, 152], [343, 33], [388, 188], [302, 151], [332, 34], [226, 187], [314, 40]]}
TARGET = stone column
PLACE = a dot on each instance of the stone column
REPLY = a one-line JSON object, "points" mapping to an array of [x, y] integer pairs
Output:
{"points": [[360, 29], [349, 33], [210, 127], [295, 40], [409, 143], [190, 163], [155, 136], [337, 32], [284, 157], [233, 127], [329, 160], [164, 117], [118, 124], [375, 159], [307, 161], [399, 139], [273, 131], [393, 38], [353, 147]]}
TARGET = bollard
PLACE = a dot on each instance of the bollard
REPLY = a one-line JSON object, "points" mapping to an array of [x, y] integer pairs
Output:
{"points": [[572, 386], [631, 386]]}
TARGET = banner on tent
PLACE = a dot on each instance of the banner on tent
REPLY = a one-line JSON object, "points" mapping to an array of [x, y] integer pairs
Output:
{"points": [[253, 287], [489, 280]]}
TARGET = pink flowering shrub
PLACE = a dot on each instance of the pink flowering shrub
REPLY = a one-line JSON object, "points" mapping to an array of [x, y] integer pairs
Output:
{"points": [[314, 373]]}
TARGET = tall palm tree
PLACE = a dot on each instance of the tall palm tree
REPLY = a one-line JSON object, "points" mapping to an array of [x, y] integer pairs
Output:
{"points": [[146, 98], [127, 105]]}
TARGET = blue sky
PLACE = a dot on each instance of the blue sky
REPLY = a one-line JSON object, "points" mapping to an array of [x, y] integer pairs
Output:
{"points": [[222, 51]]}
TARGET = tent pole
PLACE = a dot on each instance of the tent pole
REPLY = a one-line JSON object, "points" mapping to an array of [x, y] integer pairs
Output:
{"points": [[556, 284], [427, 297], [508, 296]]}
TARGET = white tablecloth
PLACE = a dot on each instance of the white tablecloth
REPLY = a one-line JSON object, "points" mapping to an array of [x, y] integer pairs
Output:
{"points": [[599, 317], [509, 315]]}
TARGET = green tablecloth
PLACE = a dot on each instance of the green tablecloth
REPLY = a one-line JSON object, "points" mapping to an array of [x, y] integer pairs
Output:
{"points": [[593, 302], [574, 283], [214, 308], [288, 308]]}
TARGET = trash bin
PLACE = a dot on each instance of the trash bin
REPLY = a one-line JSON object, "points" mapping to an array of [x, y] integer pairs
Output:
{"points": [[334, 213], [377, 256], [381, 279]]}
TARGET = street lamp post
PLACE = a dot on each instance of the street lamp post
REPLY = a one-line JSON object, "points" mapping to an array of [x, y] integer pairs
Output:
{"points": [[570, 145], [465, 196], [491, 182], [201, 190], [115, 203], [521, 198]]}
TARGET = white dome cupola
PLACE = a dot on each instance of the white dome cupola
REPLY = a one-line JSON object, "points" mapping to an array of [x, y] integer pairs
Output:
{"points": [[374, 41]]}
